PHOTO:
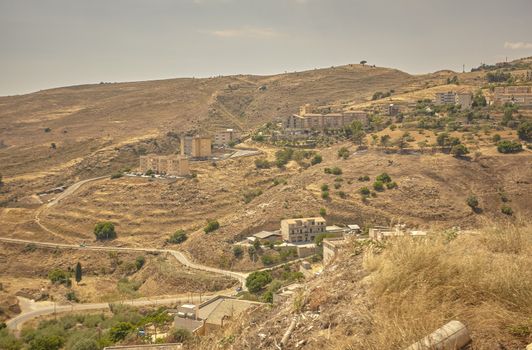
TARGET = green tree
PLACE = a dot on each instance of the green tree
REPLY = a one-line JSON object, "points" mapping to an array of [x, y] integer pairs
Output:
{"points": [[139, 262], [472, 202], [442, 139], [47, 342], [8, 341], [316, 159], [179, 335], [506, 210], [178, 237], [120, 331], [384, 177], [212, 225], [58, 276], [378, 186], [105, 230], [509, 146], [363, 62], [524, 131], [79, 273], [364, 191], [385, 140], [324, 187], [459, 150], [257, 280], [323, 212]]}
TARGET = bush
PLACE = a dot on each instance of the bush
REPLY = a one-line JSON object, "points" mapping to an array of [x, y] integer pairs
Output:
{"points": [[119, 331], [117, 175], [324, 187], [8, 340], [323, 212], [149, 172], [363, 178], [268, 259], [327, 170], [343, 153], [105, 230], [325, 195], [86, 344], [336, 171], [139, 262], [509, 147], [58, 276], [337, 185], [459, 150], [179, 335], [316, 159], [472, 201], [282, 157], [378, 186], [238, 252], [384, 177], [71, 296], [506, 210], [212, 225], [257, 280], [342, 194], [262, 163], [496, 138], [391, 185], [47, 342], [525, 131], [250, 194], [364, 191], [178, 237]]}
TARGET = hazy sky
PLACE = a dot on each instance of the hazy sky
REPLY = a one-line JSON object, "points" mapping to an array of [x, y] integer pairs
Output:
{"points": [[50, 43]]}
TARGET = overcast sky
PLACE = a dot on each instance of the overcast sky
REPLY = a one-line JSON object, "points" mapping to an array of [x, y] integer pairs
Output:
{"points": [[51, 43]]}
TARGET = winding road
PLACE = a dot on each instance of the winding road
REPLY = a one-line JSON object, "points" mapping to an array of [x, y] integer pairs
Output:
{"points": [[17, 321]]}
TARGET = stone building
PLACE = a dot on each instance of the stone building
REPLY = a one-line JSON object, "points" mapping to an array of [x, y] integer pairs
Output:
{"points": [[308, 120], [174, 165], [464, 99], [197, 146], [224, 137], [521, 95], [302, 230]]}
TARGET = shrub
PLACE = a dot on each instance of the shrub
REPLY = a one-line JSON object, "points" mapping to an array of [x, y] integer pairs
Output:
{"points": [[268, 260], [86, 344], [323, 212], [71, 296], [384, 177], [509, 147], [119, 331], [316, 159], [149, 172], [472, 201], [58, 276], [178, 237], [212, 225], [257, 280], [506, 210], [262, 163], [496, 138], [363, 178], [105, 230], [378, 186], [139, 262], [391, 185], [337, 185], [117, 175], [47, 342], [327, 170], [342, 194], [250, 194], [47, 129], [258, 138], [459, 150], [525, 131], [238, 252], [282, 157], [179, 335], [343, 153], [325, 195], [364, 191], [336, 171], [324, 187]]}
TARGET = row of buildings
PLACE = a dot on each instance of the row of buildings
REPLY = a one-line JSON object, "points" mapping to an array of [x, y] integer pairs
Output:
{"points": [[311, 119], [464, 99], [521, 95]]}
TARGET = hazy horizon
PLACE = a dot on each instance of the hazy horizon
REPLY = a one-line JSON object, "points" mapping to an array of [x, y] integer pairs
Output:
{"points": [[63, 43]]}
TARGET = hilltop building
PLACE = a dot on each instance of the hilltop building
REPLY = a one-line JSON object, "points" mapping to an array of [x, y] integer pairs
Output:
{"points": [[521, 95], [381, 233], [197, 146], [302, 230], [173, 165], [309, 120], [464, 99], [224, 137]]}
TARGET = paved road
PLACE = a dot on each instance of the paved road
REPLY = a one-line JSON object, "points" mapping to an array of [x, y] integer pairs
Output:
{"points": [[16, 322]]}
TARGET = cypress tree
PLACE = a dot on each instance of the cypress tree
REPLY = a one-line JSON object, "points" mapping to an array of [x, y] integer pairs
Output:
{"points": [[78, 272]]}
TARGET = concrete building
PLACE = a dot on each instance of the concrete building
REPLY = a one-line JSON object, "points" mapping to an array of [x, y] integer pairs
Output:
{"points": [[224, 137], [331, 246], [211, 315], [268, 236], [173, 165], [197, 146], [464, 99], [302, 230], [520, 95], [307, 120], [381, 233]]}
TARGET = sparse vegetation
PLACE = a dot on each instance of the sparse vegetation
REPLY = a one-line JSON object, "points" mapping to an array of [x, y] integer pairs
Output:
{"points": [[509, 146], [316, 159], [250, 194], [262, 163], [507, 210], [343, 153], [472, 202]]}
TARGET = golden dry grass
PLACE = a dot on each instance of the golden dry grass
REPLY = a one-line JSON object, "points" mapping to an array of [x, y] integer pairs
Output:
{"points": [[483, 280]]}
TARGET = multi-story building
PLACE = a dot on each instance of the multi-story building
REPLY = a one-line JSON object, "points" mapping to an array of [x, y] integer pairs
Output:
{"points": [[521, 95], [302, 230], [464, 99], [198, 146], [307, 120], [224, 137], [174, 165]]}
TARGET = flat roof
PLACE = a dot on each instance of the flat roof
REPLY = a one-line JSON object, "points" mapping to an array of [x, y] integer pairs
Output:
{"points": [[266, 234], [293, 221]]}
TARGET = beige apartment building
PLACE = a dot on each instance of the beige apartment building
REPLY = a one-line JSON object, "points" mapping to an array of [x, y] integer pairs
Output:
{"points": [[198, 146], [308, 120], [521, 95], [174, 165], [224, 137], [464, 99], [302, 230]]}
